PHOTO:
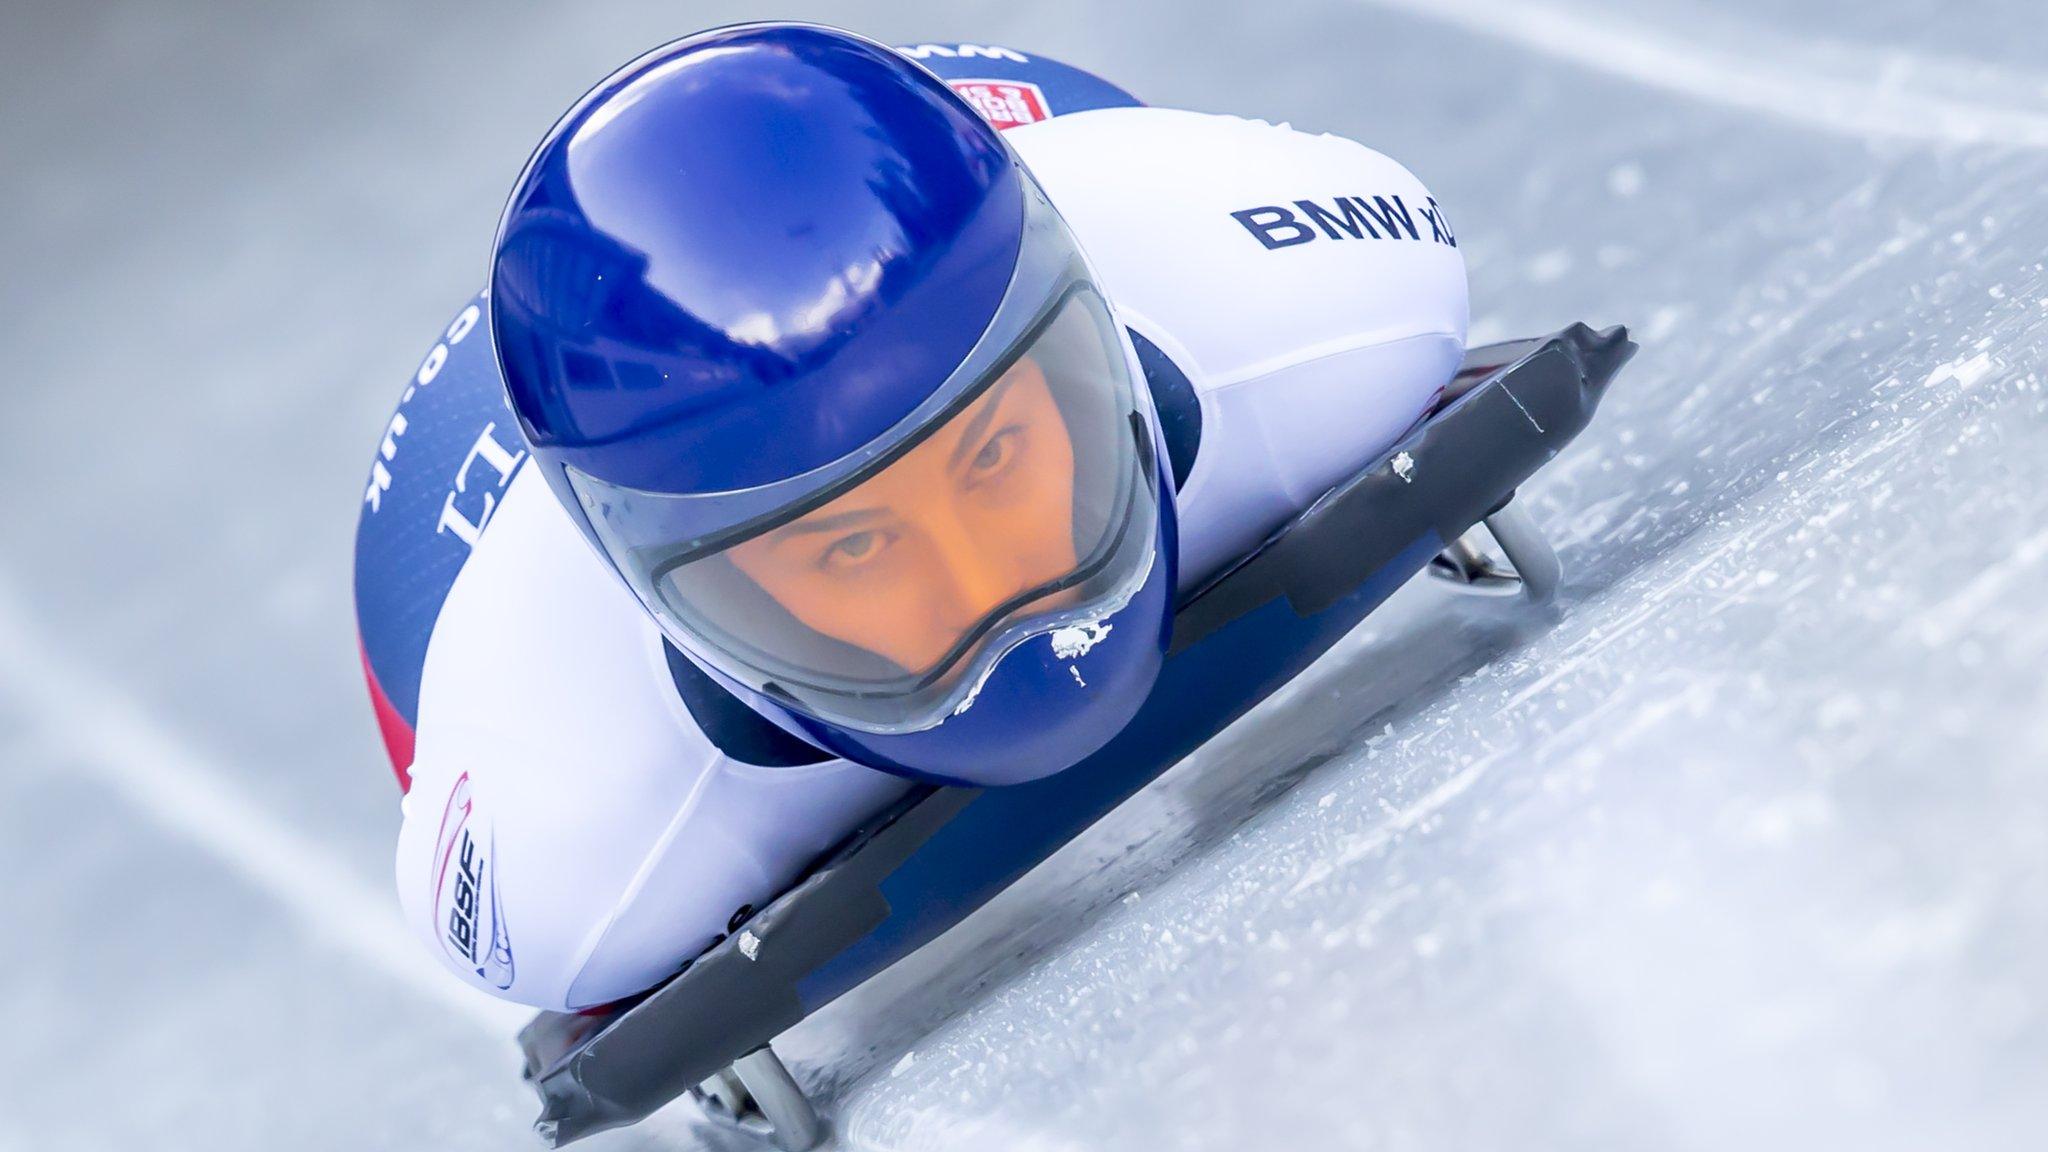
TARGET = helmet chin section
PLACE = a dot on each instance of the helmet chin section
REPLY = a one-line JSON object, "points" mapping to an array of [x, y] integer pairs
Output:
{"points": [[1045, 706]]}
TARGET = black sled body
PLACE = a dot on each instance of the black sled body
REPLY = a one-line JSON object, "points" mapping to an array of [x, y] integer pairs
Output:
{"points": [[943, 852]]}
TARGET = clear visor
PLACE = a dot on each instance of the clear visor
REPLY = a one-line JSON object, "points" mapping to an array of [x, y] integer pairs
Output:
{"points": [[1027, 503]]}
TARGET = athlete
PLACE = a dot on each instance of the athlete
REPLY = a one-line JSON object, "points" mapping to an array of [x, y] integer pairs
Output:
{"points": [[838, 418]]}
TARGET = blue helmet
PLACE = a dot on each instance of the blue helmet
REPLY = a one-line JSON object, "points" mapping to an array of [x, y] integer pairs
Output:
{"points": [[815, 365]]}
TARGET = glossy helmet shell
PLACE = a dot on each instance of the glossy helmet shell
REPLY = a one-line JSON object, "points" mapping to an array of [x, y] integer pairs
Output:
{"points": [[678, 306]]}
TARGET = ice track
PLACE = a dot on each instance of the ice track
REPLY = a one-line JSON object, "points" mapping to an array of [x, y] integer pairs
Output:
{"points": [[1747, 846]]}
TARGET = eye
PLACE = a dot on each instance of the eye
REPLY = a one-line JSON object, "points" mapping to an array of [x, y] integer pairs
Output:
{"points": [[994, 455], [852, 550]]}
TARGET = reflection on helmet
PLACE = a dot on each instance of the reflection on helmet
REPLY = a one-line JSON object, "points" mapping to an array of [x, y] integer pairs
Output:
{"points": [[908, 562]]}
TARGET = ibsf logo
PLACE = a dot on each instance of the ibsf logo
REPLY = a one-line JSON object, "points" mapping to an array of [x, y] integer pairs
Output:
{"points": [[1004, 103], [466, 904]]}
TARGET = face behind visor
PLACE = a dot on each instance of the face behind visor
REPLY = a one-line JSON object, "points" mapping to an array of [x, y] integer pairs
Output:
{"points": [[1026, 506], [914, 560]]}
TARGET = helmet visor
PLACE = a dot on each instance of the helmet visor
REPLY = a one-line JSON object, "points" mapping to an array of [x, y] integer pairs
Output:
{"points": [[1026, 504]]}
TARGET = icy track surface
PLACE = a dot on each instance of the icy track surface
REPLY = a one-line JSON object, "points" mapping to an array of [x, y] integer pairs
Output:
{"points": [[1747, 846]]}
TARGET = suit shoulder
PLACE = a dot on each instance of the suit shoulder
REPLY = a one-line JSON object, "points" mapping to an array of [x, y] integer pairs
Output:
{"points": [[1240, 241], [550, 755]]}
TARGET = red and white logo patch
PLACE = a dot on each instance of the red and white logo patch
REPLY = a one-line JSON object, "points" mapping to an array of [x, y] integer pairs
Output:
{"points": [[467, 909], [1004, 103]]}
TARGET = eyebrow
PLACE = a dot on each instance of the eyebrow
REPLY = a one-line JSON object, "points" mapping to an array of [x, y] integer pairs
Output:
{"points": [[832, 523], [977, 424]]}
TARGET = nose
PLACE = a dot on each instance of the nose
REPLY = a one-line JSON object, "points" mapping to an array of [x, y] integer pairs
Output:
{"points": [[976, 580]]}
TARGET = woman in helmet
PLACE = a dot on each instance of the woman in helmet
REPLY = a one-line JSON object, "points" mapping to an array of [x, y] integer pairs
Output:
{"points": [[895, 396]]}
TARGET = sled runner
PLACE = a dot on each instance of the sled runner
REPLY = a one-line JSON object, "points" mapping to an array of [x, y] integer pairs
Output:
{"points": [[943, 852]]}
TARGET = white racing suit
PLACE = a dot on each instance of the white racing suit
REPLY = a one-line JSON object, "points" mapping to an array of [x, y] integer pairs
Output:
{"points": [[583, 816]]}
